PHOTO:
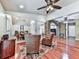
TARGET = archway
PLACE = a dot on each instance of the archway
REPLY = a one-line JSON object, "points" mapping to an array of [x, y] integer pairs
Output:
{"points": [[51, 25]]}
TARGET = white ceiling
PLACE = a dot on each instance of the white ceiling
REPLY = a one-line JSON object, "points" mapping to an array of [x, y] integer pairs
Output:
{"points": [[30, 6], [25, 18]]}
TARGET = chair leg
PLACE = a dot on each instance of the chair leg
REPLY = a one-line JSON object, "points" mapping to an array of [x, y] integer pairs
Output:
{"points": [[31, 56]]}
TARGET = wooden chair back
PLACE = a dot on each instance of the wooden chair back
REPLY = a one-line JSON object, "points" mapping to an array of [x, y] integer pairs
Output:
{"points": [[33, 44]]}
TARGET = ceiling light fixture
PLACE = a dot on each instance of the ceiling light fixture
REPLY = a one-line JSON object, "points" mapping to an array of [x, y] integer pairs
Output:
{"points": [[21, 6], [17, 18], [49, 8]]}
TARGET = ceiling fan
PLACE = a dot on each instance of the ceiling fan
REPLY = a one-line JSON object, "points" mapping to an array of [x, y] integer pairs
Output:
{"points": [[50, 5]]}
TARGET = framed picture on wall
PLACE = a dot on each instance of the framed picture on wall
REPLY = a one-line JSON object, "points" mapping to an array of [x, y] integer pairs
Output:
{"points": [[21, 27]]}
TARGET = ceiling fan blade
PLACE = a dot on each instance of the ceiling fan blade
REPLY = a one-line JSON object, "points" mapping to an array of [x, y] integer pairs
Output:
{"points": [[46, 1], [41, 7], [56, 1], [50, 0], [56, 7]]}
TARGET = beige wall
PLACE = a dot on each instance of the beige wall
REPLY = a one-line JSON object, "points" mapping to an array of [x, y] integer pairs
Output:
{"points": [[1, 8], [77, 29], [62, 28], [47, 28]]}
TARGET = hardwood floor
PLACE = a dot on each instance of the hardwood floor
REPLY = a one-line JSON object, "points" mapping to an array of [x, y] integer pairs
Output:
{"points": [[59, 50], [57, 53]]}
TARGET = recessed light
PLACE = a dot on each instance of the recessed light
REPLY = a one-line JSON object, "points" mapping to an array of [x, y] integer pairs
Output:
{"points": [[16, 18], [32, 22], [21, 6]]}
